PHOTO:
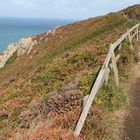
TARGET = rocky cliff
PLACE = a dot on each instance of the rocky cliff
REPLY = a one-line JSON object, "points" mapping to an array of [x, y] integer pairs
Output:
{"points": [[24, 46]]}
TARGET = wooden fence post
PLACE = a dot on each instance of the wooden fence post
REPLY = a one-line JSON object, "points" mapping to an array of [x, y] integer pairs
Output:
{"points": [[115, 69], [94, 90], [120, 46], [137, 32]]}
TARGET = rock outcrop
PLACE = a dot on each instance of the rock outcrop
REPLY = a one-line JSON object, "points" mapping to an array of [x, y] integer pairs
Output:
{"points": [[24, 46], [7, 54]]}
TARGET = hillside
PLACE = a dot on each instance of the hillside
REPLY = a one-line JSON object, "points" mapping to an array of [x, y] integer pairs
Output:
{"points": [[133, 12], [46, 77]]}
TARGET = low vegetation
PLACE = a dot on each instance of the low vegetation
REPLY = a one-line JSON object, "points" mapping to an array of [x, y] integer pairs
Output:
{"points": [[42, 93]]}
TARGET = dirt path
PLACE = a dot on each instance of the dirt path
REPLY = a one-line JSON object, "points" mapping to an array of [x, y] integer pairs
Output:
{"points": [[132, 123]]}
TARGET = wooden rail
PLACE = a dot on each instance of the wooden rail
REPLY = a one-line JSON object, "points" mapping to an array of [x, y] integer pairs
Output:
{"points": [[104, 73]]}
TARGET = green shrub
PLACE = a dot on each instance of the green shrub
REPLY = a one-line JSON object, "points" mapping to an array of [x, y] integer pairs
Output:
{"points": [[110, 97], [86, 82], [12, 59], [45, 97]]}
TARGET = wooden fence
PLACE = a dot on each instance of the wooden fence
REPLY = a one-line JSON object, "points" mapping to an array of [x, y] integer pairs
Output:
{"points": [[104, 73]]}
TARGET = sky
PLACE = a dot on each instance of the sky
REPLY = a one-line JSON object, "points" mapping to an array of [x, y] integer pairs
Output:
{"points": [[61, 9]]}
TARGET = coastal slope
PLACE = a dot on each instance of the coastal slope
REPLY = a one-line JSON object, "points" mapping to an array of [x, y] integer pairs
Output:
{"points": [[44, 78]]}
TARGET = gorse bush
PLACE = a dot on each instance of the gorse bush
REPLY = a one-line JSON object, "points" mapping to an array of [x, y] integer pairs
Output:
{"points": [[110, 97], [65, 70], [86, 82]]}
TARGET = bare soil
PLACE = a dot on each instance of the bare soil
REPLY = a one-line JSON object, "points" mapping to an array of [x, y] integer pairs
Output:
{"points": [[132, 123]]}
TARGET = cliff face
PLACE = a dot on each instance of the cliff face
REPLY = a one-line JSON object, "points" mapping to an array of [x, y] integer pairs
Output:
{"points": [[7, 54], [24, 46], [42, 88]]}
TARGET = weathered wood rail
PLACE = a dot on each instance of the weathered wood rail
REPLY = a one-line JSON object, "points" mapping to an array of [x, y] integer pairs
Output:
{"points": [[105, 71]]}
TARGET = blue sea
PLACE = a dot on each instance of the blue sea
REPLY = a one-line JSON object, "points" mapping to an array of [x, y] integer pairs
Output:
{"points": [[13, 29]]}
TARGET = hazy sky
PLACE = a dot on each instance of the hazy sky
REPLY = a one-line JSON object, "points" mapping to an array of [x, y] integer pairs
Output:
{"points": [[61, 9]]}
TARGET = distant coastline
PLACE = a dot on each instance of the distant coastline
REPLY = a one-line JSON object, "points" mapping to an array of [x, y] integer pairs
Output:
{"points": [[13, 29]]}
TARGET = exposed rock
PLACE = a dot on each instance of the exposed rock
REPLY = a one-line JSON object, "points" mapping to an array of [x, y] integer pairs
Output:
{"points": [[25, 45], [45, 36], [7, 54]]}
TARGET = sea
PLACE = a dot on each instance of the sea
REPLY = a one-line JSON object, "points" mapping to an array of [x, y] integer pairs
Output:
{"points": [[13, 29]]}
